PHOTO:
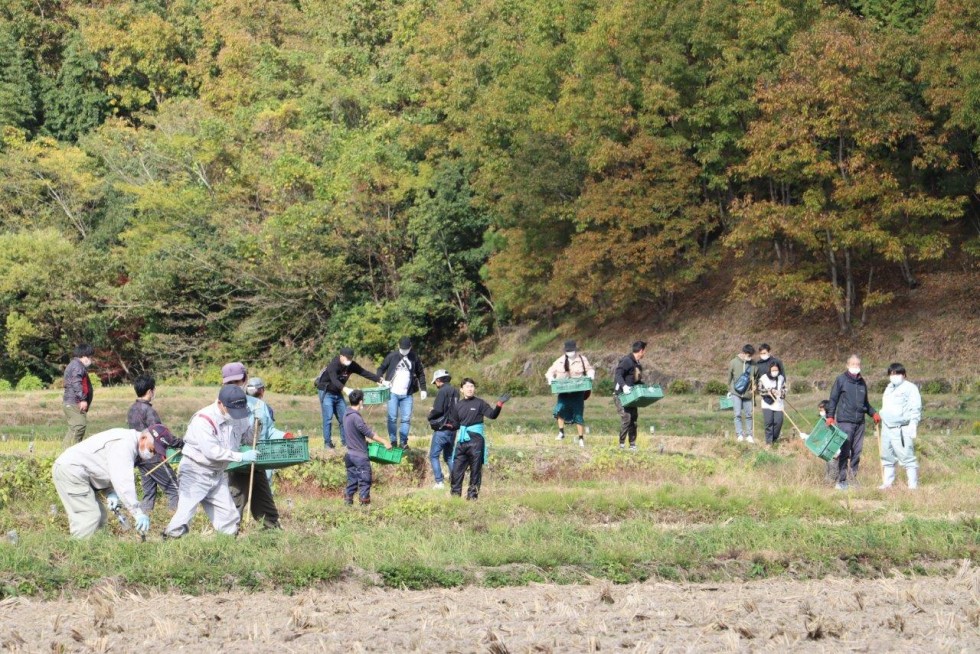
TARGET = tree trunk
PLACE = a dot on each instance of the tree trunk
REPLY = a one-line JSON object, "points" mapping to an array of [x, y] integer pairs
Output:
{"points": [[832, 260]]}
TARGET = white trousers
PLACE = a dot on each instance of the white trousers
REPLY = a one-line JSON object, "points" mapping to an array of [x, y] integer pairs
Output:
{"points": [[86, 514], [208, 488]]}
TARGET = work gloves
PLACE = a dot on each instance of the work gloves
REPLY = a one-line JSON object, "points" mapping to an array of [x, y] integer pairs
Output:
{"points": [[423, 394], [831, 422], [591, 374], [250, 456], [112, 501], [627, 389], [503, 399], [142, 523], [288, 435], [347, 390], [876, 418]]}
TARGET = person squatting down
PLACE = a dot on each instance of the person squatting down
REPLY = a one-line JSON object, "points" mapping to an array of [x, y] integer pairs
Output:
{"points": [[772, 389], [104, 463], [629, 373], [356, 461], [154, 472], [402, 372], [471, 450], [441, 420], [847, 407], [570, 407], [210, 444], [901, 411]]}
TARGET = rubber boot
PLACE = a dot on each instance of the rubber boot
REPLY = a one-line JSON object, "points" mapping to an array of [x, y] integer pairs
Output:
{"points": [[887, 477], [913, 477]]}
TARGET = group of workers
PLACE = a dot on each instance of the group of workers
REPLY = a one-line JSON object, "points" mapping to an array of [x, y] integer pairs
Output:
{"points": [[240, 416], [754, 373]]}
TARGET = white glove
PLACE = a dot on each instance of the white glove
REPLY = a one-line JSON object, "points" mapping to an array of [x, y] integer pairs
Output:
{"points": [[112, 501], [385, 383], [423, 395], [911, 430], [347, 390], [549, 378], [591, 374], [627, 389]]}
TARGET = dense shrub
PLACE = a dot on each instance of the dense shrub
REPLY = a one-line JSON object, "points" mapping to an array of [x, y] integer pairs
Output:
{"points": [[800, 386], [30, 383], [936, 386], [680, 387], [5, 386], [715, 387]]}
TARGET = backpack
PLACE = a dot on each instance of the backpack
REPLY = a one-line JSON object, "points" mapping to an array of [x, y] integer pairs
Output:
{"points": [[438, 423], [744, 381]]}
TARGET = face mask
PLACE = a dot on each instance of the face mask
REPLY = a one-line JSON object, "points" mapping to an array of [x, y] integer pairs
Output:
{"points": [[854, 371], [764, 357], [344, 361], [402, 352], [570, 355], [896, 379], [823, 414], [146, 456]]}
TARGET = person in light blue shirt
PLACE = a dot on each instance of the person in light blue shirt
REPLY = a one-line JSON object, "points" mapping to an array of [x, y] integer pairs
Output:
{"points": [[901, 411]]}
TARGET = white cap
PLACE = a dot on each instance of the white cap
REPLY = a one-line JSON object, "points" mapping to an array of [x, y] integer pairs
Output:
{"points": [[438, 374]]}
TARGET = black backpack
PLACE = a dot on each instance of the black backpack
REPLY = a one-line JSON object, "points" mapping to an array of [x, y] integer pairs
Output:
{"points": [[438, 423], [744, 381]]}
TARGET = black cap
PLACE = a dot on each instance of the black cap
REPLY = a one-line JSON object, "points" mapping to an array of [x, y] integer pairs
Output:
{"points": [[234, 400], [405, 343], [347, 352], [569, 346]]}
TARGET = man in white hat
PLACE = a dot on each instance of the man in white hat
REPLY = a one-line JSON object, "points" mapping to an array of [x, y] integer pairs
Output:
{"points": [[443, 424]]}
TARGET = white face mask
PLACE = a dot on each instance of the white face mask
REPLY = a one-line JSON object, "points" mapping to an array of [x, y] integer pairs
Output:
{"points": [[344, 361], [764, 357], [854, 371], [896, 379], [146, 455], [404, 353], [570, 355]]}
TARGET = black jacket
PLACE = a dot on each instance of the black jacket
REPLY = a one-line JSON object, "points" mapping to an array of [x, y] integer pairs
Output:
{"points": [[441, 417], [473, 411], [390, 365], [762, 367], [629, 372], [849, 399], [334, 377]]}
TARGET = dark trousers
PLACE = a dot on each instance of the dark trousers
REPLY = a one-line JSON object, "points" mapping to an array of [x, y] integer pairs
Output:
{"points": [[263, 506], [774, 424], [468, 455], [850, 451], [163, 478], [358, 478], [627, 421]]}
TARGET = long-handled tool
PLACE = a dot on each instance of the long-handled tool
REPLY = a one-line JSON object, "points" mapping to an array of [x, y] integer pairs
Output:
{"points": [[162, 463], [251, 476], [124, 524]]}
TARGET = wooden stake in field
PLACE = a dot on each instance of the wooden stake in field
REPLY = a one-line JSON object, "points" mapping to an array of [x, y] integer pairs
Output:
{"points": [[752, 377], [251, 479]]}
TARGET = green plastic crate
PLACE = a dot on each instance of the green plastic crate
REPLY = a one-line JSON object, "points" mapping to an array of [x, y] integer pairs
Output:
{"points": [[278, 453], [642, 396], [577, 385], [825, 441], [380, 454], [726, 404], [376, 395]]}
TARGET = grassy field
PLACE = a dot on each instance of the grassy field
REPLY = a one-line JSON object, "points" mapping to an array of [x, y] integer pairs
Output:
{"points": [[691, 504]]}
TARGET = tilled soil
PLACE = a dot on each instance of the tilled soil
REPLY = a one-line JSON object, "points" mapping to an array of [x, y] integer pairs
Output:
{"points": [[883, 615]]}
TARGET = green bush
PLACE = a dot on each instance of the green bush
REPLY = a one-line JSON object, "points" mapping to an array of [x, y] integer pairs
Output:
{"points": [[5, 386], [604, 386], [292, 383], [715, 387], [800, 386], [517, 388], [680, 387], [30, 383], [937, 386], [879, 386]]}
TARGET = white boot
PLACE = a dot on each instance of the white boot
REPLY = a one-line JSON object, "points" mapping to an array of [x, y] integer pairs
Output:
{"points": [[887, 477], [913, 477]]}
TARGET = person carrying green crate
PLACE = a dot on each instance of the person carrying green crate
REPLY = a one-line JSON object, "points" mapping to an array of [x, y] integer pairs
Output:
{"points": [[356, 461], [267, 417], [571, 406], [241, 481], [402, 372], [212, 441], [740, 373], [629, 373], [471, 450], [331, 385], [901, 411], [847, 407], [832, 469]]}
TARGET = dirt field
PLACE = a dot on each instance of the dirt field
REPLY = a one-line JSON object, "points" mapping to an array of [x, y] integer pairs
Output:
{"points": [[886, 615]]}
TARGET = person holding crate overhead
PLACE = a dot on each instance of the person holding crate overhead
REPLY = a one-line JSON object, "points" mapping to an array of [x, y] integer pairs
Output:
{"points": [[570, 406], [629, 373]]}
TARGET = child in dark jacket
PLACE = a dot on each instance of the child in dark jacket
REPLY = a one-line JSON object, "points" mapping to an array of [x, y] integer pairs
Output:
{"points": [[153, 476]]}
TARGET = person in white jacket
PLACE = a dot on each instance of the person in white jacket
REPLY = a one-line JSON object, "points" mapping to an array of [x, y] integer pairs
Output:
{"points": [[103, 463], [570, 406], [901, 411], [212, 442], [772, 390]]}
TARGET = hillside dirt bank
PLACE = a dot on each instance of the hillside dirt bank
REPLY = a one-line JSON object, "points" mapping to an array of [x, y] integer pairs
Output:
{"points": [[882, 615]]}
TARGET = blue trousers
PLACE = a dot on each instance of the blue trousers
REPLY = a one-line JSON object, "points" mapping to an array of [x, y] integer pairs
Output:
{"points": [[442, 444], [332, 404], [399, 417]]}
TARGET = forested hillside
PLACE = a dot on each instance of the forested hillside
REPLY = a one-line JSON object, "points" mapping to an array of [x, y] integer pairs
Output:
{"points": [[186, 181]]}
